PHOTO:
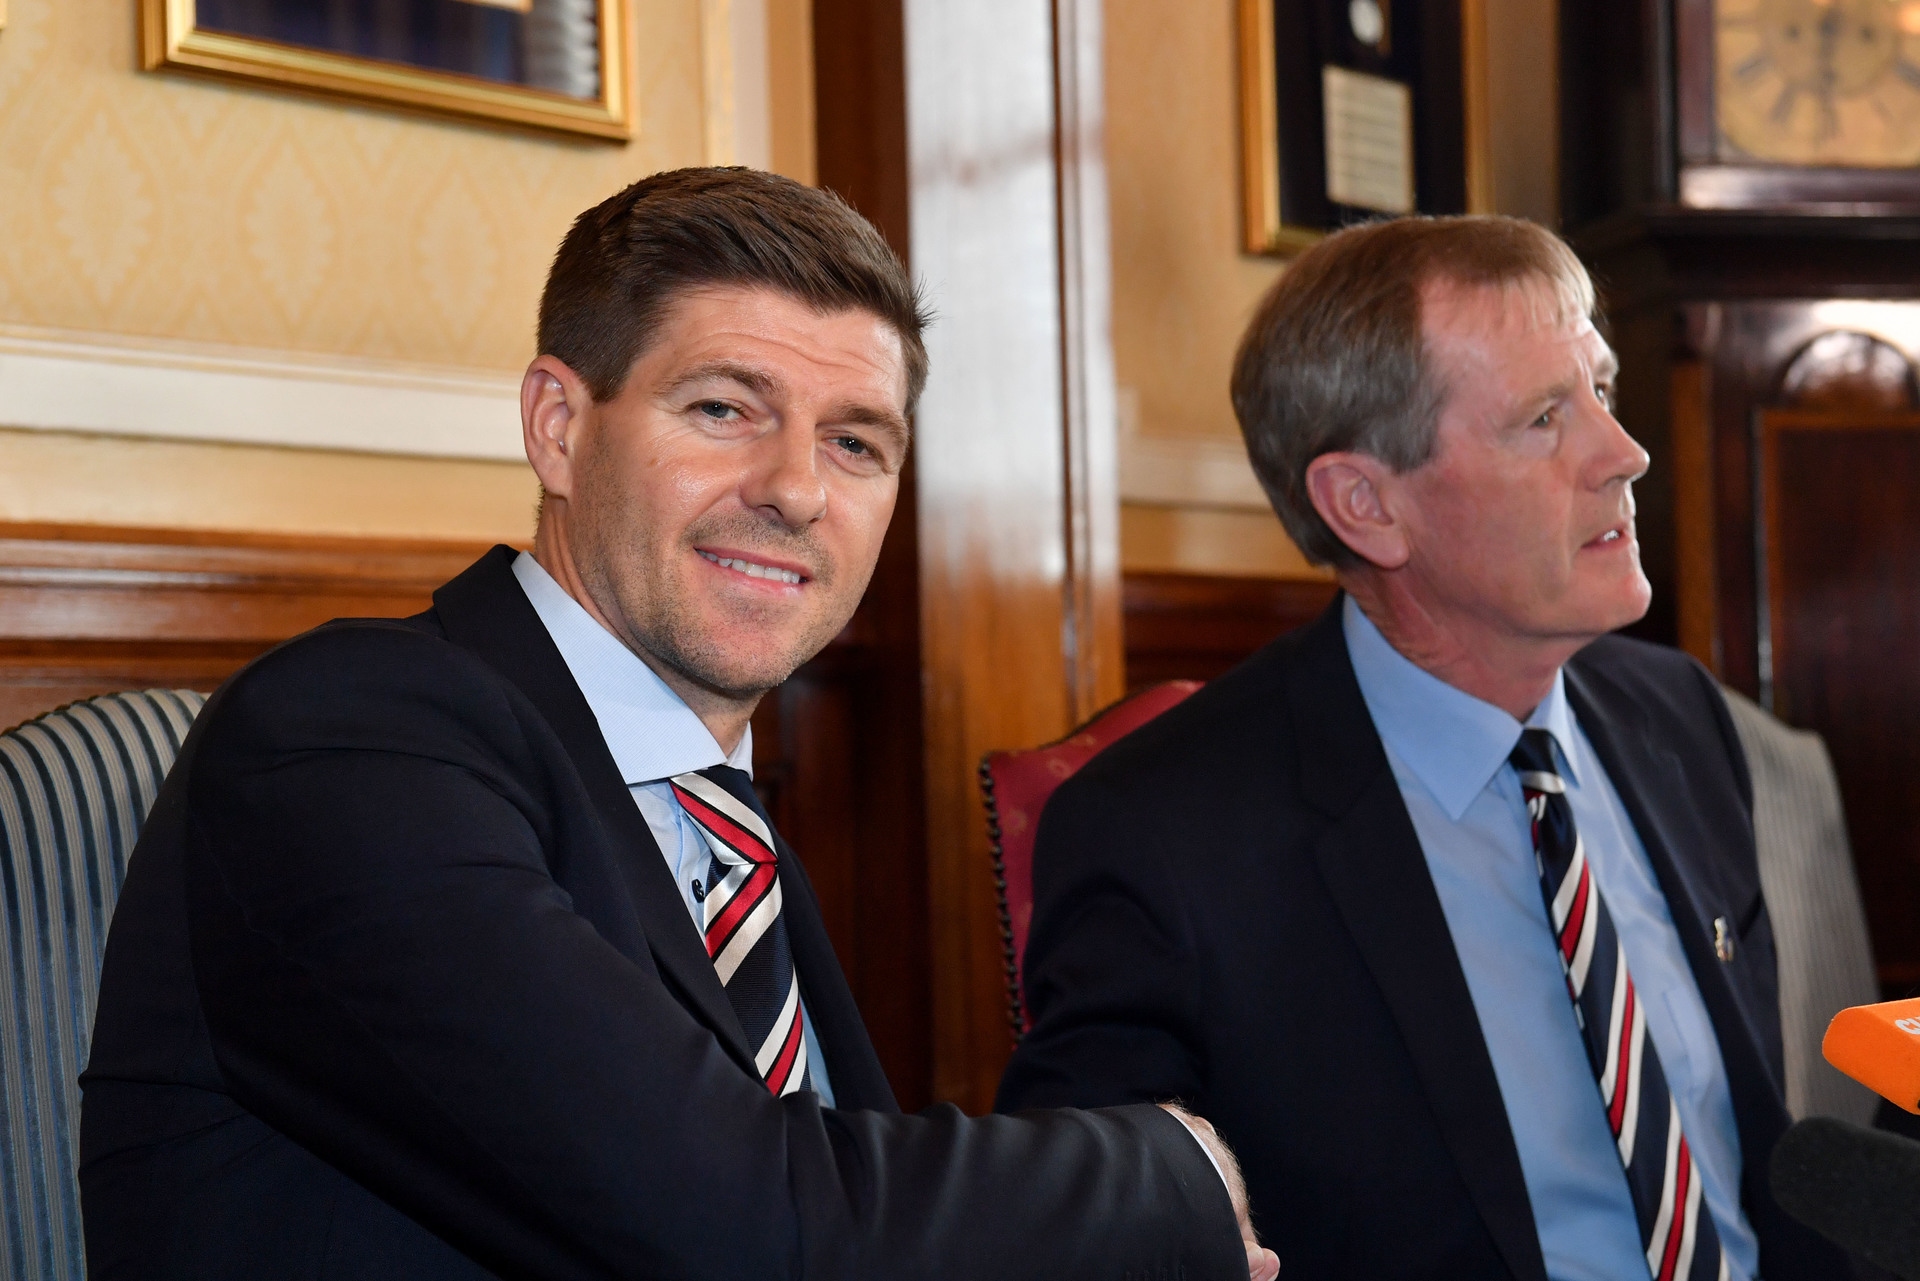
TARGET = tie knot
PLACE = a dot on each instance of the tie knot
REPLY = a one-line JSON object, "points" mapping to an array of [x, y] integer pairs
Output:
{"points": [[738, 785], [722, 801], [1533, 754]]}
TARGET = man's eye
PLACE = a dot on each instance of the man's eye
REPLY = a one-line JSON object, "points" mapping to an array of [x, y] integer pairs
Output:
{"points": [[719, 410], [1605, 393], [1544, 420], [853, 445]]}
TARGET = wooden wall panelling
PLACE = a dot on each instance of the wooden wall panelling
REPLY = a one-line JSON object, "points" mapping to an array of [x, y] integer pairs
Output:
{"points": [[1197, 627], [860, 110], [1842, 519], [1753, 346], [995, 556], [1690, 437], [88, 610], [1613, 108], [846, 732]]}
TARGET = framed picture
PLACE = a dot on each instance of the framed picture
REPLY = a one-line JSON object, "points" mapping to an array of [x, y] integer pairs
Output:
{"points": [[557, 65], [1350, 110]]}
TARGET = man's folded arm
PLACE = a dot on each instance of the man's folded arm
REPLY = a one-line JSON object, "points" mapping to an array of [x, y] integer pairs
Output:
{"points": [[393, 978]]}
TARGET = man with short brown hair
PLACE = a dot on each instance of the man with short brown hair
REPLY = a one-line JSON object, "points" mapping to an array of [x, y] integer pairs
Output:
{"points": [[460, 945], [1444, 908]]}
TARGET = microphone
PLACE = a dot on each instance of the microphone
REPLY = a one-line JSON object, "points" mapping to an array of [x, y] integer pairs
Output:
{"points": [[1879, 1046], [1857, 1187]]}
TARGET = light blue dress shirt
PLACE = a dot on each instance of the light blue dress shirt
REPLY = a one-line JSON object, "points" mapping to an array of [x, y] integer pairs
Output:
{"points": [[653, 736], [1449, 754]]}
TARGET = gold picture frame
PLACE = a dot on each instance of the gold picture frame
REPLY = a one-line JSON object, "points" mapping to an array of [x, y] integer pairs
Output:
{"points": [[1262, 229], [171, 40]]}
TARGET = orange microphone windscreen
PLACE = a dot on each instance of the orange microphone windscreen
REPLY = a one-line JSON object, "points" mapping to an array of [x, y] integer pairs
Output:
{"points": [[1879, 1046]]}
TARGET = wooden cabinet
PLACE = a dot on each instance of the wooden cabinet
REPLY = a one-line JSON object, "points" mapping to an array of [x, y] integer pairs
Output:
{"points": [[1767, 314]]}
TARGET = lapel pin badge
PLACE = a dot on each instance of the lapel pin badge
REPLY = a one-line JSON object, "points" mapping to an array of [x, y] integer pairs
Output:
{"points": [[1722, 939]]}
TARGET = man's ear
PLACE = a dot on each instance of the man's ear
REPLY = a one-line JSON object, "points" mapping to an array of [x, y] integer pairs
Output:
{"points": [[1351, 491], [554, 409]]}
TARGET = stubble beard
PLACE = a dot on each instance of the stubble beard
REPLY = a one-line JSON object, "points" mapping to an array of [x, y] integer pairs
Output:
{"points": [[660, 613]]}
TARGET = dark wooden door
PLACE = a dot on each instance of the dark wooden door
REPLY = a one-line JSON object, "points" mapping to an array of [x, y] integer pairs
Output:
{"points": [[1840, 492]]}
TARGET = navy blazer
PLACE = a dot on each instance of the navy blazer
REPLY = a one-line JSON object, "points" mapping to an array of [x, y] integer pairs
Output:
{"points": [[1232, 908], [399, 986]]}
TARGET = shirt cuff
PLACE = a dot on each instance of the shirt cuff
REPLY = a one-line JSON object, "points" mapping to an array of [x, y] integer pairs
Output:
{"points": [[1207, 1152]]}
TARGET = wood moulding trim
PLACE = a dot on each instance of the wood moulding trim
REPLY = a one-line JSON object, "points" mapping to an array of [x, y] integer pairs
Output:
{"points": [[99, 583], [1096, 673], [53, 380], [91, 609]]}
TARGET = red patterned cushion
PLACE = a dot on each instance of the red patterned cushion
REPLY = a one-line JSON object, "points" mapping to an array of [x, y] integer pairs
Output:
{"points": [[1017, 785]]}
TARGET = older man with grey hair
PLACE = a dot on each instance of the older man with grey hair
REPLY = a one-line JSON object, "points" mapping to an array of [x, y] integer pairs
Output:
{"points": [[1444, 908]]}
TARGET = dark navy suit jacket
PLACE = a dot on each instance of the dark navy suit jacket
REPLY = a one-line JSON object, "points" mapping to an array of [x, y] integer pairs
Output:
{"points": [[400, 986], [1232, 908]]}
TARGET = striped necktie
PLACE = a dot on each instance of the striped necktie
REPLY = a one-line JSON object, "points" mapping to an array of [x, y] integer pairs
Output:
{"points": [[745, 934], [1676, 1228]]}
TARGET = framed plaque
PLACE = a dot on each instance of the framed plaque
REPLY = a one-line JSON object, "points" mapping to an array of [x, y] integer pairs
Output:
{"points": [[557, 65], [1350, 110]]}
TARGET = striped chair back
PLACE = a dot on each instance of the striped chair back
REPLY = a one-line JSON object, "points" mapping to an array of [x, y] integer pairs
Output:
{"points": [[75, 786], [1813, 896]]}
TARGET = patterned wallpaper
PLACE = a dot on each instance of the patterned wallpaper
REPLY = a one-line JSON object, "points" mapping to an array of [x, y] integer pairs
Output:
{"points": [[155, 205]]}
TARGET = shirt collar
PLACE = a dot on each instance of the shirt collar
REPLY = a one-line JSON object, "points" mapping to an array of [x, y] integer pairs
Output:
{"points": [[1452, 742], [650, 731]]}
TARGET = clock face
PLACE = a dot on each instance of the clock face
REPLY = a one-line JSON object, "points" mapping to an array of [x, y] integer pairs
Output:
{"points": [[1818, 82]]}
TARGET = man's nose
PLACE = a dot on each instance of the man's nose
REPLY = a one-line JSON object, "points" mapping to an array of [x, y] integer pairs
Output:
{"points": [[1618, 456], [784, 481]]}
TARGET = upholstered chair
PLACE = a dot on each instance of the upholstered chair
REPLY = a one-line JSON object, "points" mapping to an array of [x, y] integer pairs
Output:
{"points": [[1016, 786], [75, 786]]}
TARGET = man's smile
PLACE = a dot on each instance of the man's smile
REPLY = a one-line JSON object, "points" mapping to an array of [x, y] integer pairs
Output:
{"points": [[754, 568]]}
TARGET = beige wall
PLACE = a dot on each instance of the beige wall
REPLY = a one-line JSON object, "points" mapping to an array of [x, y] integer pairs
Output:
{"points": [[1182, 288], [164, 207], [68, 478]]}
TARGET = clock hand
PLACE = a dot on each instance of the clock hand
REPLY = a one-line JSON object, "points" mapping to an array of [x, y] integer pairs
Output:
{"points": [[1830, 24]]}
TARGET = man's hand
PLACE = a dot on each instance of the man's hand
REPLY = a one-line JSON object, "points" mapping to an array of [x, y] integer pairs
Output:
{"points": [[1262, 1263]]}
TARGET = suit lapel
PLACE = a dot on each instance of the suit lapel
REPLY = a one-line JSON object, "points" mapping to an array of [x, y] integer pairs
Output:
{"points": [[484, 610], [1371, 862], [854, 1069], [1699, 882], [1651, 781]]}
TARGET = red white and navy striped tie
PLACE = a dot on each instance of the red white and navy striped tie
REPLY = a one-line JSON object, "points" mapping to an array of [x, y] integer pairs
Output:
{"points": [[1675, 1225], [745, 934]]}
